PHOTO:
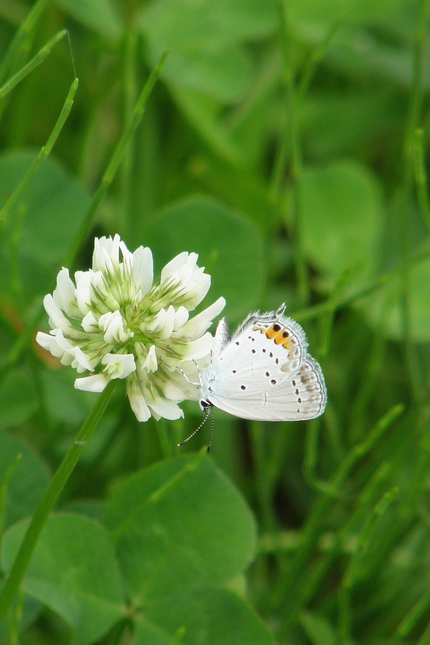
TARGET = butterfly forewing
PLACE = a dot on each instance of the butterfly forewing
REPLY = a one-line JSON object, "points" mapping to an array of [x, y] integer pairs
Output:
{"points": [[292, 399], [264, 372]]}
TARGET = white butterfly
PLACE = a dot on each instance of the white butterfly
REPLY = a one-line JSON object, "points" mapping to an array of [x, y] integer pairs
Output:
{"points": [[264, 372]]}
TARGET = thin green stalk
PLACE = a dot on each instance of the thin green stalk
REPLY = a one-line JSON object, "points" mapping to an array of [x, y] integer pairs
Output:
{"points": [[350, 575], [414, 114], [317, 310], [34, 62], [275, 458], [311, 531], [51, 496], [425, 638], [20, 44], [129, 91], [369, 376], [178, 636], [311, 580], [328, 318], [421, 175], [310, 458], [408, 623], [317, 55], [116, 159], [4, 489], [262, 485], [43, 153], [296, 158], [311, 446], [166, 443], [290, 145], [100, 194]]}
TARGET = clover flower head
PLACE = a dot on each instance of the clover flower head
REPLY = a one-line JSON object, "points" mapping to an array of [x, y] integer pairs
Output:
{"points": [[115, 322]]}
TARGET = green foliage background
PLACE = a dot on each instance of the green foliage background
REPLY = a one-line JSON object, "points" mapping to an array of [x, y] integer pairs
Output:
{"points": [[286, 143]]}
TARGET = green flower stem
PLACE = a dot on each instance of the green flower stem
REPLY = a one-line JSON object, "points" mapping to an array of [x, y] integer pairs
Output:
{"points": [[43, 152], [116, 159], [100, 194], [21, 42], [41, 515], [34, 62]]}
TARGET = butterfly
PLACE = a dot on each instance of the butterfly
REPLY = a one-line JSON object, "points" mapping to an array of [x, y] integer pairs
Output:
{"points": [[263, 372]]}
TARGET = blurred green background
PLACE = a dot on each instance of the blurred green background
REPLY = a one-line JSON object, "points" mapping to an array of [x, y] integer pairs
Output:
{"points": [[285, 142]]}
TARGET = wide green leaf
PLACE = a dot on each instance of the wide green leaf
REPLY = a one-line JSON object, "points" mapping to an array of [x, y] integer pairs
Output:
{"points": [[211, 617], [99, 15], [28, 481], [17, 398], [388, 307], [42, 224], [315, 12], [228, 246], [203, 39], [179, 525], [342, 214], [74, 572]]}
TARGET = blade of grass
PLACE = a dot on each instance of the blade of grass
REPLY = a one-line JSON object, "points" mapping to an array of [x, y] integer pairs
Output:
{"points": [[311, 442], [317, 55], [130, 63], [317, 310], [312, 578], [292, 143], [115, 161], [43, 153], [411, 619], [4, 488], [98, 197], [350, 575], [21, 43], [421, 175], [263, 486], [34, 62], [311, 531], [405, 193], [40, 517]]}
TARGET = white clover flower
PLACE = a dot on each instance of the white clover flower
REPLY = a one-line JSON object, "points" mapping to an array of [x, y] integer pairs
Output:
{"points": [[115, 323]]}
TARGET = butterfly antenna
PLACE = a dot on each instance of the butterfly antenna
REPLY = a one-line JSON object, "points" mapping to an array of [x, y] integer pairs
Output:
{"points": [[197, 429], [212, 432]]}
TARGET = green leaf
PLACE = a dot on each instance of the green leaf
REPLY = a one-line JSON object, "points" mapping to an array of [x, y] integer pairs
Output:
{"points": [[145, 631], [28, 482], [203, 39], [189, 518], [342, 212], [325, 13], [385, 306], [228, 246], [44, 221], [318, 629], [63, 402], [224, 75], [200, 112], [73, 571], [99, 15], [208, 25], [17, 399], [210, 617]]}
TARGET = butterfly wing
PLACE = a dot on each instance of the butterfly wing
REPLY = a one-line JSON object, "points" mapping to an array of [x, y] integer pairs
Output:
{"points": [[296, 398], [264, 373]]}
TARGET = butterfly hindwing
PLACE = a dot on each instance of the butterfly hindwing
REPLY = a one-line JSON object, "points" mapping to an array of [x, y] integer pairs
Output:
{"points": [[264, 372]]}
